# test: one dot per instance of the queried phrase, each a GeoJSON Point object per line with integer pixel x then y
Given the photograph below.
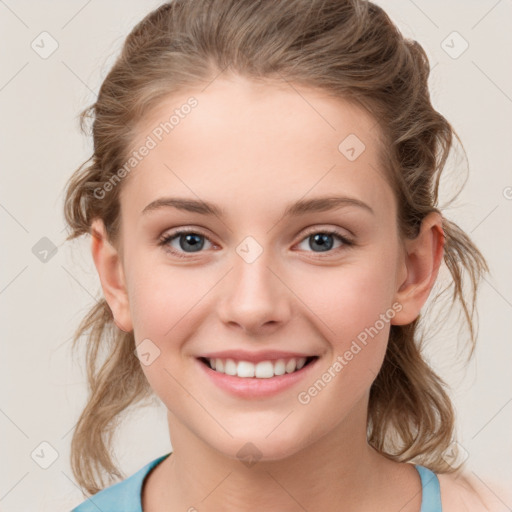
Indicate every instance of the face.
{"type": "Point", "coordinates": [273, 274]}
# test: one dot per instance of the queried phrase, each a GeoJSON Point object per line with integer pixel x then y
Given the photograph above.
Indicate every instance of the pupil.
{"type": "Point", "coordinates": [196, 245]}
{"type": "Point", "coordinates": [324, 240]}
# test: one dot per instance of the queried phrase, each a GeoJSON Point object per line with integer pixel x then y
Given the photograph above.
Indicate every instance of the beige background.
{"type": "Point", "coordinates": [43, 390]}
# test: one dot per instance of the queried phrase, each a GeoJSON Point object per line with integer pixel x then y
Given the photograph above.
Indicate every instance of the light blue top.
{"type": "Point", "coordinates": [126, 496]}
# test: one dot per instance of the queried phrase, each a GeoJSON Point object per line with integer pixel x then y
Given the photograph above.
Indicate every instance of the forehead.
{"type": "Point", "coordinates": [261, 108]}
{"type": "Point", "coordinates": [244, 139]}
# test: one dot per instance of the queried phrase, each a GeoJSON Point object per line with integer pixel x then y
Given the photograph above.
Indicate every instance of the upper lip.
{"type": "Point", "coordinates": [254, 357]}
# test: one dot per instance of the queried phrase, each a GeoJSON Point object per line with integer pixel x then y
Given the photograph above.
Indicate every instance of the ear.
{"type": "Point", "coordinates": [422, 259]}
{"type": "Point", "coordinates": [109, 266]}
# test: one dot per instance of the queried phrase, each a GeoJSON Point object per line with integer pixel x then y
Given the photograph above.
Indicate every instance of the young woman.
{"type": "Point", "coordinates": [262, 203]}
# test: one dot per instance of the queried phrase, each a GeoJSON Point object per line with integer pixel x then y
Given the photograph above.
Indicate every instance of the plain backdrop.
{"type": "Point", "coordinates": [43, 389]}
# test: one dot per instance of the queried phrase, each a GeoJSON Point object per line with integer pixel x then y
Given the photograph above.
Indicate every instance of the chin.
{"type": "Point", "coordinates": [253, 447]}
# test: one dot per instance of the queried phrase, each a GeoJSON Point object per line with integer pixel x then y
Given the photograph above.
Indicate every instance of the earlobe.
{"type": "Point", "coordinates": [109, 267]}
{"type": "Point", "coordinates": [424, 255]}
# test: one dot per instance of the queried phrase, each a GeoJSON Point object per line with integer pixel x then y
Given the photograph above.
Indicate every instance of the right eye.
{"type": "Point", "coordinates": [186, 239]}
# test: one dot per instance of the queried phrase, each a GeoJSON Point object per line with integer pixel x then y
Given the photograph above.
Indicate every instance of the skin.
{"type": "Point", "coordinates": [252, 149]}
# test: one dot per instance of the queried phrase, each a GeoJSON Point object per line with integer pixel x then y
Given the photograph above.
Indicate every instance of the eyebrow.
{"type": "Point", "coordinates": [301, 207]}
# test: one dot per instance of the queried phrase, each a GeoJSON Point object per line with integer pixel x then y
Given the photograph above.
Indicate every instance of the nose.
{"type": "Point", "coordinates": [254, 297]}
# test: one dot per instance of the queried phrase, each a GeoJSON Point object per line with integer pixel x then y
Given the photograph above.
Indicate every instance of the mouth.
{"type": "Point", "coordinates": [266, 369]}
{"type": "Point", "coordinates": [256, 376]}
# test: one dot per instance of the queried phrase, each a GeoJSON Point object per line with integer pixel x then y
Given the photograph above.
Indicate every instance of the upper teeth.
{"type": "Point", "coordinates": [261, 370]}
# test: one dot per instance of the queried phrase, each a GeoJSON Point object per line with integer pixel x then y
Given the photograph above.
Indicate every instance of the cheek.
{"type": "Point", "coordinates": [352, 308]}
{"type": "Point", "coordinates": [160, 295]}
{"type": "Point", "coordinates": [350, 297]}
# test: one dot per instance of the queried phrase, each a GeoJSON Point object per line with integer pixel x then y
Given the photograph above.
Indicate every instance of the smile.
{"type": "Point", "coordinates": [260, 370]}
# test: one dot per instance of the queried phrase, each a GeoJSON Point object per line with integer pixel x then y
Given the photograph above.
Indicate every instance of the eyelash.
{"type": "Point", "coordinates": [171, 236]}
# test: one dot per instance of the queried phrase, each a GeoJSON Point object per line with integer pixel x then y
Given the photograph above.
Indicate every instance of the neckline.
{"type": "Point", "coordinates": [146, 472]}
{"type": "Point", "coordinates": [430, 488]}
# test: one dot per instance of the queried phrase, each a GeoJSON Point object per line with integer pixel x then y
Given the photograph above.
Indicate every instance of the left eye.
{"type": "Point", "coordinates": [322, 239]}
{"type": "Point", "coordinates": [191, 242]}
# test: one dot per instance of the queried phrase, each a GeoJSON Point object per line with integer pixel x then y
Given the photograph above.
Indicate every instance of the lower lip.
{"type": "Point", "coordinates": [251, 387]}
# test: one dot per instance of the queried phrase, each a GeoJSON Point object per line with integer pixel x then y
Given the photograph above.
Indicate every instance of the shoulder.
{"type": "Point", "coordinates": [465, 492]}
{"type": "Point", "coordinates": [110, 498]}
{"type": "Point", "coordinates": [125, 495]}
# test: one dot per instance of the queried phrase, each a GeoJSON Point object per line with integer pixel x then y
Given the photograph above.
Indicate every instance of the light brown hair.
{"type": "Point", "coordinates": [347, 48]}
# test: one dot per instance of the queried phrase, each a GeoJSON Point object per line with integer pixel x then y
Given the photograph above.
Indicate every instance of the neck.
{"type": "Point", "coordinates": [340, 471]}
